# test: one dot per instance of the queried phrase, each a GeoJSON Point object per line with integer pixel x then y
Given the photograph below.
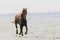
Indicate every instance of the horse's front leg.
{"type": "Point", "coordinates": [21, 30]}
{"type": "Point", "coordinates": [16, 28]}
{"type": "Point", "coordinates": [26, 29]}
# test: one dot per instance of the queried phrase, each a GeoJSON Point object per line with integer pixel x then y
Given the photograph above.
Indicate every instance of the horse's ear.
{"type": "Point", "coordinates": [23, 8]}
{"type": "Point", "coordinates": [26, 8]}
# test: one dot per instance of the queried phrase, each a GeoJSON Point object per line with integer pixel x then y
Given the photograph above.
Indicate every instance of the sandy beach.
{"type": "Point", "coordinates": [41, 27]}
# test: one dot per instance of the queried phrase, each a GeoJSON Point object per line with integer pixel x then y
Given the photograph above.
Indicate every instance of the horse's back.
{"type": "Point", "coordinates": [17, 18]}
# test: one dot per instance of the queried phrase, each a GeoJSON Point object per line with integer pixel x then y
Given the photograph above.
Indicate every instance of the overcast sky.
{"type": "Point", "coordinates": [33, 6]}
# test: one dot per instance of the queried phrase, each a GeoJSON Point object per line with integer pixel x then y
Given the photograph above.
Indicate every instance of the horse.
{"type": "Point", "coordinates": [22, 21]}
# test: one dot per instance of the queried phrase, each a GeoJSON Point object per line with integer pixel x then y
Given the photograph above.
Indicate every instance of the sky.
{"type": "Point", "coordinates": [33, 6]}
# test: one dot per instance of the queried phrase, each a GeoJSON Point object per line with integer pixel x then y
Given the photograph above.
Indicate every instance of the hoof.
{"type": "Point", "coordinates": [16, 31]}
{"type": "Point", "coordinates": [22, 35]}
{"type": "Point", "coordinates": [19, 33]}
{"type": "Point", "coordinates": [25, 32]}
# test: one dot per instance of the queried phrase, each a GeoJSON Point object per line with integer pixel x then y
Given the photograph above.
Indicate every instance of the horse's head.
{"type": "Point", "coordinates": [24, 11]}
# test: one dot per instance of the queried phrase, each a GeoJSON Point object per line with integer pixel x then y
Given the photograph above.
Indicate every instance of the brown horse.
{"type": "Point", "coordinates": [21, 20]}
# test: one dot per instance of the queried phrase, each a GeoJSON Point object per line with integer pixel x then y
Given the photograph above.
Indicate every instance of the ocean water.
{"type": "Point", "coordinates": [42, 26]}
{"type": "Point", "coordinates": [36, 16]}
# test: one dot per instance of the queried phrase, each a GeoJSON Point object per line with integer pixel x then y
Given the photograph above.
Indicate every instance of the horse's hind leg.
{"type": "Point", "coordinates": [16, 28]}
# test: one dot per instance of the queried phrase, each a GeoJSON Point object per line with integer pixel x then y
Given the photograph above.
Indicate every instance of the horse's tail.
{"type": "Point", "coordinates": [13, 22]}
